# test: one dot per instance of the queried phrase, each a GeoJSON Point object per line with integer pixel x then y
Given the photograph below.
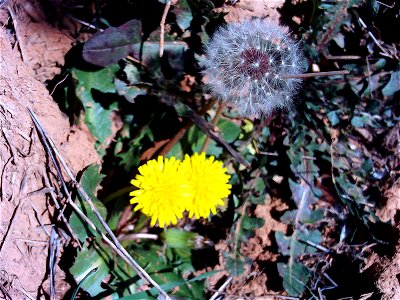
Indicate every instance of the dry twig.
{"type": "Point", "coordinates": [50, 191]}
{"type": "Point", "coordinates": [114, 244]}
{"type": "Point", "coordinates": [222, 288]}
{"type": "Point", "coordinates": [18, 33]}
{"type": "Point", "coordinates": [162, 26]}
{"type": "Point", "coordinates": [11, 226]}
{"type": "Point", "coordinates": [209, 130]}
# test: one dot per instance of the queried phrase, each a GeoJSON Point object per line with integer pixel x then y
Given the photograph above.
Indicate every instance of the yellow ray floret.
{"type": "Point", "coordinates": [209, 183]}
{"type": "Point", "coordinates": [163, 192]}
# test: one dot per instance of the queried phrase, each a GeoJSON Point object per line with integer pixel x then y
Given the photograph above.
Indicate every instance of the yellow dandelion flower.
{"type": "Point", "coordinates": [209, 182]}
{"type": "Point", "coordinates": [162, 192]}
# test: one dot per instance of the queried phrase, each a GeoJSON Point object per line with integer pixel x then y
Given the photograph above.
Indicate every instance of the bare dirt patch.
{"type": "Point", "coordinates": [256, 280]}
{"type": "Point", "coordinates": [248, 9]}
{"type": "Point", "coordinates": [25, 211]}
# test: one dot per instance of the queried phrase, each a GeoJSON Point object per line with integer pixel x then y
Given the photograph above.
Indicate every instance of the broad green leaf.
{"type": "Point", "coordinates": [97, 115]}
{"type": "Point", "coordinates": [374, 83]}
{"type": "Point", "coordinates": [308, 217]}
{"type": "Point", "coordinates": [172, 285]}
{"type": "Point", "coordinates": [202, 5]}
{"type": "Point", "coordinates": [304, 199]}
{"type": "Point", "coordinates": [229, 130]}
{"type": "Point", "coordinates": [172, 60]}
{"type": "Point", "coordinates": [132, 74]}
{"type": "Point", "coordinates": [259, 185]}
{"type": "Point", "coordinates": [85, 261]}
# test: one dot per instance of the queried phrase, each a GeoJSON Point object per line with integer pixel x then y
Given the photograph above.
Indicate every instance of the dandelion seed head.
{"type": "Point", "coordinates": [244, 60]}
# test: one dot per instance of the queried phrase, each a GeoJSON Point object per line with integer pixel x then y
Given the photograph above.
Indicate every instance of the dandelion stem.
{"type": "Point", "coordinates": [183, 130]}
{"type": "Point", "coordinates": [317, 74]}
{"type": "Point", "coordinates": [220, 109]}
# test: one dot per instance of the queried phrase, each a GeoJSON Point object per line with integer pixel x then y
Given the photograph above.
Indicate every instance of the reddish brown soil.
{"type": "Point", "coordinates": [25, 210]}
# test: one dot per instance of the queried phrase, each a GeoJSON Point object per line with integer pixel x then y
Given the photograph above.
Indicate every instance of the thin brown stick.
{"type": "Point", "coordinates": [209, 130]}
{"type": "Point", "coordinates": [218, 114]}
{"type": "Point", "coordinates": [176, 138]}
{"type": "Point", "coordinates": [344, 57]}
{"type": "Point", "coordinates": [372, 36]}
{"type": "Point", "coordinates": [18, 33]}
{"type": "Point", "coordinates": [222, 288]}
{"type": "Point", "coordinates": [12, 150]}
{"type": "Point", "coordinates": [183, 130]}
{"type": "Point", "coordinates": [137, 236]}
{"type": "Point", "coordinates": [3, 172]}
{"type": "Point", "coordinates": [162, 26]}
{"type": "Point", "coordinates": [58, 83]}
{"type": "Point", "coordinates": [39, 220]}
{"type": "Point", "coordinates": [11, 226]}
{"type": "Point", "coordinates": [84, 23]}
{"type": "Point", "coordinates": [5, 293]}
{"type": "Point", "coordinates": [6, 22]}
{"type": "Point", "coordinates": [57, 205]}
{"type": "Point", "coordinates": [114, 244]}
{"type": "Point", "coordinates": [316, 74]}
{"type": "Point", "coordinates": [136, 61]}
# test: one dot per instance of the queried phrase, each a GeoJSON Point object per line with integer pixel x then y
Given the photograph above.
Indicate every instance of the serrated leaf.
{"type": "Point", "coordinates": [234, 265]}
{"type": "Point", "coordinates": [108, 47]}
{"type": "Point", "coordinates": [97, 115]}
{"type": "Point", "coordinates": [294, 274]}
{"type": "Point", "coordinates": [308, 217]}
{"type": "Point", "coordinates": [294, 279]}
